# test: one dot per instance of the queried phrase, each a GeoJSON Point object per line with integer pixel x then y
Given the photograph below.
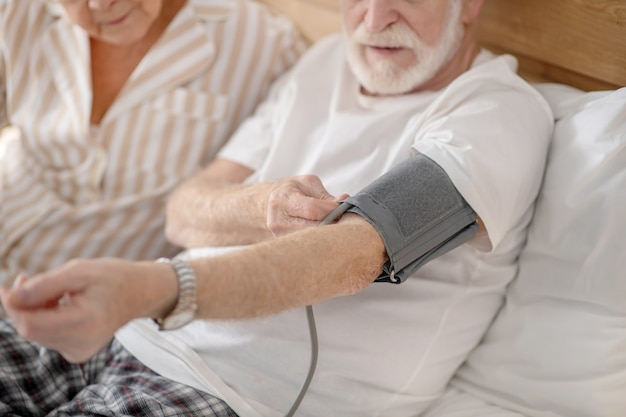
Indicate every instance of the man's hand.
{"type": "Point", "coordinates": [216, 208]}
{"type": "Point", "coordinates": [77, 308]}
{"type": "Point", "coordinates": [298, 202]}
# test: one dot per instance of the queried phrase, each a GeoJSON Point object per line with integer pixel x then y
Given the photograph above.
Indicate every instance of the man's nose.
{"type": "Point", "coordinates": [380, 14]}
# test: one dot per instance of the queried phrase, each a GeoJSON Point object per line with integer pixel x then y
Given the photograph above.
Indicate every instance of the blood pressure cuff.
{"type": "Point", "coordinates": [418, 212]}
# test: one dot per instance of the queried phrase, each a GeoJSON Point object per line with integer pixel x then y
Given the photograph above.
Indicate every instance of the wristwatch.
{"type": "Point", "coordinates": [187, 303]}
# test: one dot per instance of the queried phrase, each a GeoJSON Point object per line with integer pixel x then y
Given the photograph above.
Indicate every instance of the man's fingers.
{"type": "Point", "coordinates": [20, 280]}
{"type": "Point", "coordinates": [43, 326]}
{"type": "Point", "coordinates": [49, 329]}
{"type": "Point", "coordinates": [312, 209]}
{"type": "Point", "coordinates": [44, 291]}
{"type": "Point", "coordinates": [312, 186]}
{"type": "Point", "coordinates": [297, 203]}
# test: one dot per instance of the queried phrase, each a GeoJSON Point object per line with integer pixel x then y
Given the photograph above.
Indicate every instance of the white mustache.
{"type": "Point", "coordinates": [398, 35]}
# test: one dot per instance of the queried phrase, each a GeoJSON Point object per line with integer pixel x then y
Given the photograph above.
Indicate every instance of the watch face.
{"type": "Point", "coordinates": [177, 320]}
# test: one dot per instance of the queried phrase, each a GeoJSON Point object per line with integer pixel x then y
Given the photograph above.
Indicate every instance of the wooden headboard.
{"type": "Point", "coordinates": [576, 42]}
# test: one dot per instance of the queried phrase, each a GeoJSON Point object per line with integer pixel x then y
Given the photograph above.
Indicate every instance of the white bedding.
{"type": "Point", "coordinates": [558, 346]}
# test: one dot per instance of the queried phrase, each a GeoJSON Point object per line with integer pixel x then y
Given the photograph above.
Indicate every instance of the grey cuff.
{"type": "Point", "coordinates": [418, 212]}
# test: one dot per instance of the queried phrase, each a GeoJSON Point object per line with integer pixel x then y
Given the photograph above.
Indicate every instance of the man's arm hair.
{"type": "Point", "coordinates": [215, 208]}
{"type": "Point", "coordinates": [418, 212]}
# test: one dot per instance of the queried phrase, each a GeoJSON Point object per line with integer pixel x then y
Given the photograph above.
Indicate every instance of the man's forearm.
{"type": "Point", "coordinates": [214, 208]}
{"type": "Point", "coordinates": [209, 213]}
{"type": "Point", "coordinates": [298, 269]}
{"type": "Point", "coordinates": [76, 308]}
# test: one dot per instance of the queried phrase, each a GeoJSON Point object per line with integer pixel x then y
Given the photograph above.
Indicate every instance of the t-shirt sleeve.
{"type": "Point", "coordinates": [492, 139]}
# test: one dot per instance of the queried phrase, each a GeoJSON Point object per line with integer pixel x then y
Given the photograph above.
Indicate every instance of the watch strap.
{"type": "Point", "coordinates": [187, 302]}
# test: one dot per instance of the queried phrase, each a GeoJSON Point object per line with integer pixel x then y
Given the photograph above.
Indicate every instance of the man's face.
{"type": "Point", "coordinates": [119, 22]}
{"type": "Point", "coordinates": [395, 46]}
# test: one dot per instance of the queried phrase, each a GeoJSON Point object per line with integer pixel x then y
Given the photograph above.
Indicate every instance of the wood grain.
{"type": "Point", "coordinates": [576, 42]}
{"type": "Point", "coordinates": [315, 18]}
{"type": "Point", "coordinates": [579, 42]}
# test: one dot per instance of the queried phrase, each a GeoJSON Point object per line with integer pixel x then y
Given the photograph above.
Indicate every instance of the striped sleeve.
{"type": "Point", "coordinates": [252, 38]}
{"type": "Point", "coordinates": [291, 44]}
{"type": "Point", "coordinates": [80, 190]}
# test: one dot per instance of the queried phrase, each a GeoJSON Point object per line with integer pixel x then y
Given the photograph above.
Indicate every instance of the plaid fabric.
{"type": "Point", "coordinates": [36, 382]}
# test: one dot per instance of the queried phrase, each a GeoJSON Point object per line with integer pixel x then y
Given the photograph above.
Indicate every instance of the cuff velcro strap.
{"type": "Point", "coordinates": [418, 212]}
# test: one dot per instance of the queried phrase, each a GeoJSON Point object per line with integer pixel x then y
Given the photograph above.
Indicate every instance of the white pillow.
{"type": "Point", "coordinates": [558, 346]}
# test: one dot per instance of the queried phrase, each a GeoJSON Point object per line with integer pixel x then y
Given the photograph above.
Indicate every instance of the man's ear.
{"type": "Point", "coordinates": [471, 9]}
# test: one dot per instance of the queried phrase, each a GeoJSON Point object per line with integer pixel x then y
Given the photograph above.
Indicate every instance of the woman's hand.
{"type": "Point", "coordinates": [77, 308]}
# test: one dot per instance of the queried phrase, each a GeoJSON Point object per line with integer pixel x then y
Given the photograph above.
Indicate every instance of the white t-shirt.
{"type": "Point", "coordinates": [389, 350]}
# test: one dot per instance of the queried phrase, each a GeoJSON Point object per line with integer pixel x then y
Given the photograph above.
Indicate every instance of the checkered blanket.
{"type": "Point", "coordinates": [35, 381]}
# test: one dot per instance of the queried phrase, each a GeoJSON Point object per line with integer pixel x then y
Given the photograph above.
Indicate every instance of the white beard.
{"type": "Point", "coordinates": [384, 76]}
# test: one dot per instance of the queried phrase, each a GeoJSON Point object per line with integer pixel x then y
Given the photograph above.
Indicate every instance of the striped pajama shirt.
{"type": "Point", "coordinates": [70, 189]}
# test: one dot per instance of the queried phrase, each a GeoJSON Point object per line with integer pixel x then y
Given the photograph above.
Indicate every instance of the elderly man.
{"type": "Point", "coordinates": [422, 133]}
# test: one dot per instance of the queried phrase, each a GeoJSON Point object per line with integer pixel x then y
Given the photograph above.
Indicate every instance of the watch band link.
{"type": "Point", "coordinates": [187, 303]}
